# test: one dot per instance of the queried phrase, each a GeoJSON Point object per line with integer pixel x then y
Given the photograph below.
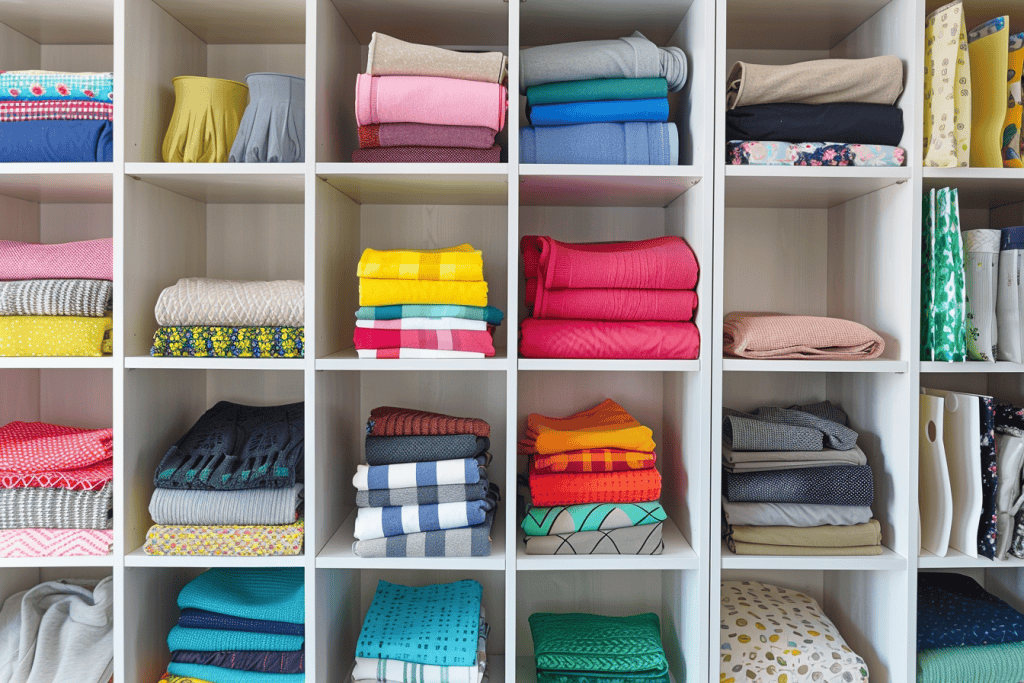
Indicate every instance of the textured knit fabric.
{"type": "Point", "coordinates": [606, 425]}
{"type": "Point", "coordinates": [845, 122]}
{"type": "Point", "coordinates": [565, 519]}
{"type": "Point", "coordinates": [437, 624]}
{"type": "Point", "coordinates": [273, 127]}
{"type": "Point", "coordinates": [226, 541]}
{"type": "Point", "coordinates": [428, 473]}
{"type": "Point", "coordinates": [29, 508]}
{"type": "Point", "coordinates": [489, 314]}
{"type": "Point", "coordinates": [779, 336]}
{"type": "Point", "coordinates": [594, 460]}
{"type": "Point", "coordinates": [580, 643]}
{"type": "Point", "coordinates": [640, 486]}
{"type": "Point", "coordinates": [447, 340]}
{"type": "Point", "coordinates": [737, 461]}
{"type": "Point", "coordinates": [268, 594]}
{"type": "Point", "coordinates": [646, 340]}
{"type": "Point", "coordinates": [56, 85]}
{"type": "Point", "coordinates": [393, 450]}
{"type": "Point", "coordinates": [230, 342]}
{"type": "Point", "coordinates": [90, 478]}
{"type": "Point", "coordinates": [391, 292]}
{"type": "Point", "coordinates": [988, 45]}
{"type": "Point", "coordinates": [56, 141]}
{"type": "Point", "coordinates": [40, 446]}
{"type": "Point", "coordinates": [989, 479]}
{"type": "Point", "coordinates": [423, 135]}
{"type": "Point", "coordinates": [676, 305]}
{"type": "Point", "coordinates": [387, 56]}
{"type": "Point", "coordinates": [824, 536]}
{"type": "Point", "coordinates": [877, 80]}
{"type": "Point", "coordinates": [195, 673]}
{"type": "Point", "coordinates": [249, 507]}
{"type": "Point", "coordinates": [391, 421]}
{"type": "Point", "coordinates": [774, 153]}
{"type": "Point", "coordinates": [572, 113]}
{"type": "Point", "coordinates": [231, 303]}
{"type": "Point", "coordinates": [410, 519]}
{"type": "Point", "coordinates": [981, 279]}
{"type": "Point", "coordinates": [632, 143]}
{"type": "Point", "coordinates": [54, 110]}
{"type": "Point", "coordinates": [233, 446]}
{"type": "Point", "coordinates": [424, 495]}
{"type": "Point", "coordinates": [55, 335]}
{"type": "Point", "coordinates": [265, 662]}
{"type": "Point", "coordinates": [638, 540]}
{"type": "Point", "coordinates": [597, 90]}
{"type": "Point", "coordinates": [56, 542]}
{"type": "Point", "coordinates": [619, 677]}
{"type": "Point", "coordinates": [472, 541]}
{"type": "Point", "coordinates": [954, 611]}
{"type": "Point", "coordinates": [977, 664]}
{"type": "Point", "coordinates": [783, 429]}
{"type": "Point", "coordinates": [833, 485]}
{"type": "Point", "coordinates": [794, 514]}
{"type": "Point", "coordinates": [429, 99]}
{"type": "Point", "coordinates": [87, 298]}
{"type": "Point", "coordinates": [205, 120]}
{"type": "Point", "coordinates": [198, 618]}
{"type": "Point", "coordinates": [453, 264]}
{"type": "Point", "coordinates": [427, 155]}
{"type": "Point", "coordinates": [947, 88]}
{"type": "Point", "coordinates": [213, 640]}
{"type": "Point", "coordinates": [89, 260]}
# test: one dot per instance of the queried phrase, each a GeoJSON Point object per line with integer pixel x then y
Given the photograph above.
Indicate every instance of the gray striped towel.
{"type": "Point", "coordinates": [86, 298]}
{"type": "Point", "coordinates": [34, 508]}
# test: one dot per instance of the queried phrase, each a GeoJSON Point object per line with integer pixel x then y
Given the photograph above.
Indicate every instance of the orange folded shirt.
{"type": "Point", "coordinates": [639, 486]}
{"type": "Point", "coordinates": [607, 425]}
{"type": "Point", "coordinates": [594, 460]}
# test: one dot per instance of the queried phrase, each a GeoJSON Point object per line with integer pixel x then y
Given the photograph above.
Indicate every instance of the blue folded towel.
{"type": "Point", "coordinates": [56, 141]}
{"type": "Point", "coordinates": [218, 674]}
{"type": "Point", "coordinates": [217, 640]}
{"type": "Point", "coordinates": [569, 113]}
{"type": "Point", "coordinates": [269, 594]}
{"type": "Point", "coordinates": [601, 143]}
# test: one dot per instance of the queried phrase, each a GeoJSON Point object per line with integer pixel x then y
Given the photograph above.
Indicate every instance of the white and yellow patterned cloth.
{"type": "Point", "coordinates": [461, 263]}
{"type": "Point", "coordinates": [947, 89]}
{"type": "Point", "coordinates": [228, 541]}
{"type": "Point", "coordinates": [55, 335]}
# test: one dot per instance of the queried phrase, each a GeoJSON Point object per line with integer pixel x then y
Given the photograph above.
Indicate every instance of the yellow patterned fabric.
{"type": "Point", "coordinates": [451, 264]}
{"type": "Point", "coordinates": [1011, 125]}
{"type": "Point", "coordinates": [390, 292]}
{"type": "Point", "coordinates": [989, 45]}
{"type": "Point", "coordinates": [207, 113]}
{"type": "Point", "coordinates": [228, 541]}
{"type": "Point", "coordinates": [171, 678]}
{"type": "Point", "coordinates": [55, 335]}
{"type": "Point", "coordinates": [947, 91]}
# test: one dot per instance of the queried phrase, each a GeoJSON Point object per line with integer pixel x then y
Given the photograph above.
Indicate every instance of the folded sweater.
{"type": "Point", "coordinates": [225, 508]}
{"type": "Point", "coordinates": [86, 298]}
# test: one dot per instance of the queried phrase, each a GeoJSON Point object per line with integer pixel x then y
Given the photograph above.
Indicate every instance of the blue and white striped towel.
{"type": "Point", "coordinates": [410, 519]}
{"type": "Point", "coordinates": [410, 474]}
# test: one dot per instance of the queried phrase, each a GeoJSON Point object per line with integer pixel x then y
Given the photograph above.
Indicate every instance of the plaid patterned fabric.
{"type": "Point", "coordinates": [54, 85]}
{"type": "Point", "coordinates": [594, 460]}
{"type": "Point", "coordinates": [461, 263]}
{"type": "Point", "coordinates": [448, 340]}
{"type": "Point", "coordinates": [56, 110]}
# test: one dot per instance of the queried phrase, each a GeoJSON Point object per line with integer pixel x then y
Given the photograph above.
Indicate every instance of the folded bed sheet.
{"type": "Point", "coordinates": [229, 342]}
{"type": "Point", "coordinates": [410, 519]}
{"type": "Point", "coordinates": [423, 135]}
{"type": "Point", "coordinates": [427, 155]}
{"type": "Point", "coordinates": [635, 540]}
{"type": "Point", "coordinates": [393, 450]}
{"type": "Point", "coordinates": [742, 548]}
{"type": "Point", "coordinates": [55, 335]}
{"type": "Point", "coordinates": [379, 292]}
{"type": "Point", "coordinates": [56, 110]}
{"type": "Point", "coordinates": [228, 541]}
{"type": "Point", "coordinates": [846, 122]}
{"type": "Point", "coordinates": [568, 519]}
{"type": "Point", "coordinates": [231, 303]}
{"type": "Point", "coordinates": [572, 113]}
{"type": "Point", "coordinates": [87, 260]}
{"type": "Point", "coordinates": [822, 536]}
{"type": "Point", "coordinates": [794, 514]}
{"type": "Point", "coordinates": [831, 485]}
{"type": "Point", "coordinates": [241, 660]}
{"type": "Point", "coordinates": [771, 153]}
{"type": "Point", "coordinates": [542, 338]}
{"type": "Point", "coordinates": [38, 85]}
{"type": "Point", "coordinates": [633, 143]}
{"type": "Point", "coordinates": [779, 336]}
{"type": "Point", "coordinates": [771, 460]}
{"type": "Point", "coordinates": [675, 305]}
{"type": "Point", "coordinates": [597, 90]}
{"type": "Point", "coordinates": [430, 99]}
{"type": "Point", "coordinates": [407, 475]}
{"type": "Point", "coordinates": [80, 298]}
{"type": "Point", "coordinates": [488, 314]}
{"type": "Point", "coordinates": [49, 141]}
{"type": "Point", "coordinates": [55, 542]}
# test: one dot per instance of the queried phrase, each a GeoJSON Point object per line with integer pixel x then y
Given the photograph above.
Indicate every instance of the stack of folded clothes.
{"type": "Point", "coordinates": [593, 488]}
{"type": "Point", "coordinates": [203, 317]}
{"type": "Point", "coordinates": [591, 648]}
{"type": "Point", "coordinates": [429, 303]}
{"type": "Point", "coordinates": [778, 336]}
{"type": "Point", "coordinates": [240, 626]}
{"type": "Point", "coordinates": [56, 490]}
{"type": "Point", "coordinates": [419, 103]}
{"type": "Point", "coordinates": [232, 485]}
{"type": "Point", "coordinates": [55, 116]}
{"type": "Point", "coordinates": [795, 483]}
{"type": "Point", "coordinates": [55, 299]}
{"type": "Point", "coordinates": [600, 102]}
{"type": "Point", "coordinates": [429, 634]}
{"type": "Point", "coordinates": [827, 112]}
{"type": "Point", "coordinates": [610, 300]}
{"type": "Point", "coordinates": [424, 491]}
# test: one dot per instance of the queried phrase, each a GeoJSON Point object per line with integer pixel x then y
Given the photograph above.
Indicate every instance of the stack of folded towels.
{"type": "Point", "coordinates": [56, 490]}
{"type": "Point", "coordinates": [593, 488]}
{"type": "Point", "coordinates": [419, 103]}
{"type": "Point", "coordinates": [232, 485]}
{"type": "Point", "coordinates": [591, 648]}
{"type": "Point", "coordinates": [795, 483]}
{"type": "Point", "coordinates": [424, 491]}
{"type": "Point", "coordinates": [429, 634]}
{"type": "Point", "coordinates": [203, 317]}
{"type": "Point", "coordinates": [600, 102]}
{"type": "Point", "coordinates": [827, 112]}
{"type": "Point", "coordinates": [240, 625]}
{"type": "Point", "coordinates": [55, 299]}
{"type": "Point", "coordinates": [778, 336]}
{"type": "Point", "coordinates": [55, 116]}
{"type": "Point", "coordinates": [429, 303]}
{"type": "Point", "coordinates": [610, 299]}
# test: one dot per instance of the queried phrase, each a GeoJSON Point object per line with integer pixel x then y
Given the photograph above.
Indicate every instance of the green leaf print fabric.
{"type": "Point", "coordinates": [927, 277]}
{"type": "Point", "coordinates": [945, 338]}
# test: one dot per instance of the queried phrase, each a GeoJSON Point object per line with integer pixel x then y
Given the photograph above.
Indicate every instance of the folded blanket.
{"type": "Point", "coordinates": [56, 141]}
{"type": "Point", "coordinates": [765, 153]}
{"type": "Point", "coordinates": [597, 90]}
{"type": "Point", "coordinates": [55, 335]}
{"type": "Point", "coordinates": [40, 446]}
{"type": "Point", "coordinates": [392, 450]}
{"type": "Point", "coordinates": [233, 446]}
{"type": "Point", "coordinates": [55, 542]}
{"type": "Point", "coordinates": [424, 324]}
{"type": "Point", "coordinates": [406, 475]}
{"type": "Point", "coordinates": [56, 85]}
{"type": "Point", "coordinates": [742, 548]}
{"type": "Point", "coordinates": [630, 57]}
{"type": "Point", "coordinates": [226, 541]}
{"type": "Point", "coordinates": [189, 673]}
{"type": "Point", "coordinates": [191, 617]}
{"type": "Point", "coordinates": [30, 508]}
{"type": "Point", "coordinates": [471, 541]}
{"type": "Point", "coordinates": [797, 428]}
{"type": "Point", "coordinates": [638, 540]}
{"type": "Point", "coordinates": [489, 314]}
{"type": "Point", "coordinates": [447, 340]}
{"type": "Point", "coordinates": [89, 478]}
{"type": "Point", "coordinates": [876, 79]}
{"type": "Point", "coordinates": [640, 486]}
{"type": "Point", "coordinates": [651, 340]}
{"type": "Point", "coordinates": [411, 519]}
{"type": "Point", "coordinates": [89, 260]}
{"type": "Point", "coordinates": [86, 298]}
{"type": "Point", "coordinates": [594, 460]}
{"type": "Point", "coordinates": [770, 460]}
{"type": "Point", "coordinates": [391, 421]}
{"type": "Point", "coordinates": [461, 263]}
{"type": "Point", "coordinates": [425, 135]}
{"type": "Point", "coordinates": [213, 640]}
{"type": "Point", "coordinates": [633, 143]}
{"type": "Point", "coordinates": [396, 671]}
{"type": "Point", "coordinates": [571, 113]}
{"type": "Point", "coordinates": [954, 611]}
{"type": "Point", "coordinates": [429, 99]}
{"type": "Point", "coordinates": [567, 519]}
{"type": "Point", "coordinates": [606, 425]}
{"type": "Point", "coordinates": [250, 593]}
{"type": "Point", "coordinates": [779, 336]}
{"type": "Point", "coordinates": [231, 303]}
{"type": "Point", "coordinates": [390, 292]}
{"type": "Point", "coordinates": [56, 110]}
{"type": "Point", "coordinates": [974, 663]}
{"type": "Point", "coordinates": [249, 507]}
{"type": "Point", "coordinates": [389, 56]}
{"type": "Point", "coordinates": [589, 643]}
{"type": "Point", "coordinates": [825, 536]}
{"type": "Point", "coordinates": [611, 304]}
{"type": "Point", "coordinates": [846, 122]}
{"type": "Point", "coordinates": [794, 514]}
{"type": "Point", "coordinates": [426, 495]}
{"type": "Point", "coordinates": [427, 155]}
{"type": "Point", "coordinates": [416, 353]}
{"type": "Point", "coordinates": [833, 485]}
{"type": "Point", "coordinates": [230, 342]}
{"type": "Point", "coordinates": [240, 660]}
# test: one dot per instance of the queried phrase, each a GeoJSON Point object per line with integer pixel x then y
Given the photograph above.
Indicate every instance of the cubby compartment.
{"type": "Point", "coordinates": [160, 407]}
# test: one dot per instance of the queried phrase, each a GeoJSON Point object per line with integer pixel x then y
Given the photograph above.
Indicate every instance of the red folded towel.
{"type": "Point", "coordinates": [598, 339]}
{"type": "Point", "coordinates": [578, 488]}
{"type": "Point", "coordinates": [676, 305]}
{"type": "Point", "coordinates": [476, 341]}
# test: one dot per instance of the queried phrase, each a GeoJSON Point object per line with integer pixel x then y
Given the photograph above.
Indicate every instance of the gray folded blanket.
{"type": "Point", "coordinates": [424, 495]}
{"type": "Point", "coordinates": [833, 485]}
{"type": "Point", "coordinates": [86, 298]}
{"type": "Point", "coordinates": [246, 507]}
{"type": "Point", "coordinates": [392, 450]}
{"type": "Point", "coordinates": [799, 428]}
{"type": "Point", "coordinates": [37, 508]}
{"type": "Point", "coordinates": [877, 80]}
{"type": "Point", "coordinates": [747, 461]}
{"type": "Point", "coordinates": [794, 514]}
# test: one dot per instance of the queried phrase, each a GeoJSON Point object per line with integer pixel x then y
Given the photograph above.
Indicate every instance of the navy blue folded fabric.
{"type": "Point", "coordinates": [831, 485]}
{"type": "Point", "coordinates": [954, 611]}
{"type": "Point", "coordinates": [634, 143]}
{"type": "Point", "coordinates": [570, 113]}
{"type": "Point", "coordinates": [56, 141]}
{"type": "Point", "coordinates": [200, 618]}
{"type": "Point", "coordinates": [241, 660]}
{"type": "Point", "coordinates": [848, 122]}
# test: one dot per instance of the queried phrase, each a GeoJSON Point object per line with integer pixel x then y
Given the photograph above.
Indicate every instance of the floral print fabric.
{"type": "Point", "coordinates": [775, 153]}
{"type": "Point", "coordinates": [954, 611]}
{"type": "Point", "coordinates": [943, 288]}
{"type": "Point", "coordinates": [947, 89]}
{"type": "Point", "coordinates": [52, 85]}
{"type": "Point", "coordinates": [229, 342]}
{"type": "Point", "coordinates": [989, 479]}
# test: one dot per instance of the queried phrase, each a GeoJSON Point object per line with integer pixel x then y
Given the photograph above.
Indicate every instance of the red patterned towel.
{"type": "Point", "coordinates": [638, 486]}
{"type": "Point", "coordinates": [594, 460]}
{"type": "Point", "coordinates": [429, 155]}
{"type": "Point", "coordinates": [54, 110]}
{"type": "Point", "coordinates": [29, 447]}
{"type": "Point", "coordinates": [597, 339]}
{"type": "Point", "coordinates": [91, 478]}
{"type": "Point", "coordinates": [448, 340]}
{"type": "Point", "coordinates": [388, 421]}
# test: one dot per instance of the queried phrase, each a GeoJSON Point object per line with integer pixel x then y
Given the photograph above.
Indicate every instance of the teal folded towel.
{"type": "Point", "coordinates": [633, 143]}
{"type": "Point", "coordinates": [215, 640]}
{"type": "Point", "coordinates": [269, 594]}
{"type": "Point", "coordinates": [597, 90]}
{"type": "Point", "coordinates": [217, 674]}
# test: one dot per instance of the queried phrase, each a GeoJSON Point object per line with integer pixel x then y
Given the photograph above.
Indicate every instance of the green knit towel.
{"type": "Point", "coordinates": [579, 643]}
{"type": "Point", "coordinates": [259, 593]}
{"type": "Point", "coordinates": [563, 677]}
{"type": "Point", "coordinates": [972, 664]}
{"type": "Point", "coordinates": [598, 90]}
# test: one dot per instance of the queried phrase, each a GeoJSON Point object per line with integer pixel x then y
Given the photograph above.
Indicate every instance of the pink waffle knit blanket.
{"type": "Point", "coordinates": [780, 336]}
{"type": "Point", "coordinates": [542, 338]}
{"type": "Point", "coordinates": [427, 99]}
{"type": "Point", "coordinates": [91, 260]}
{"type": "Point", "coordinates": [55, 542]}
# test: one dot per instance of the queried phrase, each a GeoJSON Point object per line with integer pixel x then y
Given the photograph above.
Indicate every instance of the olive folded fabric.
{"type": "Point", "coordinates": [825, 536]}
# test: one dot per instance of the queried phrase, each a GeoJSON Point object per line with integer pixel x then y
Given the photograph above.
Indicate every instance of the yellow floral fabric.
{"type": "Point", "coordinates": [229, 342]}
{"type": "Point", "coordinates": [461, 263]}
{"type": "Point", "coordinates": [207, 113]}
{"type": "Point", "coordinates": [171, 678]}
{"type": "Point", "coordinates": [228, 541]}
{"type": "Point", "coordinates": [989, 45]}
{"type": "Point", "coordinates": [55, 335]}
{"type": "Point", "coordinates": [947, 89]}
{"type": "Point", "coordinates": [390, 292]}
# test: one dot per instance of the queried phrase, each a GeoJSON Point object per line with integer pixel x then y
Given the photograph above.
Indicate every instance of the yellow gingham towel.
{"type": "Point", "coordinates": [462, 263]}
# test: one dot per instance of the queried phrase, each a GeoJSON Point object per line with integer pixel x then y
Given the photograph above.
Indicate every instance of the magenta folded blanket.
{"type": "Point", "coordinates": [598, 339]}
{"type": "Point", "coordinates": [427, 99]}
{"type": "Point", "coordinates": [476, 341]}
{"type": "Point", "coordinates": [430, 155]}
{"type": "Point", "coordinates": [90, 260]}
{"type": "Point", "coordinates": [425, 135]}
{"type": "Point", "coordinates": [612, 304]}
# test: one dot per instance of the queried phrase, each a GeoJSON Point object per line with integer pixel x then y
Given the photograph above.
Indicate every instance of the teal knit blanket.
{"type": "Point", "coordinates": [217, 674]}
{"type": "Point", "coordinates": [215, 640]}
{"type": "Point", "coordinates": [972, 664]}
{"type": "Point", "coordinates": [268, 594]}
{"type": "Point", "coordinates": [576, 643]}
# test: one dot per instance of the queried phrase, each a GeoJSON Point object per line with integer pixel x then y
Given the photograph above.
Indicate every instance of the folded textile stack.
{"type": "Point", "coordinates": [827, 112]}
{"type": "Point", "coordinates": [795, 483]}
{"type": "Point", "coordinates": [240, 626]}
{"type": "Point", "coordinates": [55, 299]}
{"type": "Point", "coordinates": [592, 484]}
{"type": "Point", "coordinates": [424, 491]}
{"type": "Point", "coordinates": [56, 490]}
{"type": "Point", "coordinates": [56, 116]}
{"type": "Point", "coordinates": [202, 317]}
{"type": "Point", "coordinates": [232, 485]}
{"type": "Point", "coordinates": [592, 648]}
{"type": "Point", "coordinates": [419, 103]}
{"type": "Point", "coordinates": [779, 336]}
{"type": "Point", "coordinates": [600, 102]}
{"type": "Point", "coordinates": [965, 633]}
{"type": "Point", "coordinates": [429, 634]}
{"type": "Point", "coordinates": [609, 299]}
{"type": "Point", "coordinates": [429, 303]}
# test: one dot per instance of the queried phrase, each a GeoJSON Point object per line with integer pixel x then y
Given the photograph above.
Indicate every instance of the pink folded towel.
{"type": "Point", "coordinates": [90, 260]}
{"type": "Point", "coordinates": [598, 339]}
{"type": "Point", "coordinates": [612, 304]}
{"type": "Point", "coordinates": [427, 99]}
{"type": "Point", "coordinates": [781, 336]}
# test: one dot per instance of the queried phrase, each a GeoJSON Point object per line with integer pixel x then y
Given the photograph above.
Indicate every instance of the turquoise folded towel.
{"type": "Point", "coordinates": [217, 674]}
{"type": "Point", "coordinates": [269, 594]}
{"type": "Point", "coordinates": [215, 640]}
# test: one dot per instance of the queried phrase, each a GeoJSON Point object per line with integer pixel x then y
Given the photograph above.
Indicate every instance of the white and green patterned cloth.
{"type": "Point", "coordinates": [567, 519]}
{"type": "Point", "coordinates": [943, 291]}
{"type": "Point", "coordinates": [981, 273]}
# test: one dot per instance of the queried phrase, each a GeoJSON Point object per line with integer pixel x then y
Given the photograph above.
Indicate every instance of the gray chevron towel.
{"type": "Point", "coordinates": [32, 508]}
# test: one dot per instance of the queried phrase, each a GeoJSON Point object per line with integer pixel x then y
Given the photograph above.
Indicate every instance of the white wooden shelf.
{"type": "Point", "coordinates": [59, 188]}
{"type": "Point", "coordinates": [971, 367]}
{"type": "Point", "coordinates": [603, 190]}
{"type": "Point", "coordinates": [349, 360]}
{"type": "Point", "coordinates": [757, 365]}
{"type": "Point", "coordinates": [138, 558]}
{"type": "Point", "coordinates": [176, 363]}
{"type": "Point", "coordinates": [887, 561]}
{"type": "Point", "coordinates": [605, 365]}
{"type": "Point", "coordinates": [64, 169]}
{"type": "Point", "coordinates": [810, 187]}
{"type": "Point", "coordinates": [458, 186]}
{"type": "Point", "coordinates": [48, 362]}
{"type": "Point", "coordinates": [76, 561]}
{"type": "Point", "coordinates": [954, 559]}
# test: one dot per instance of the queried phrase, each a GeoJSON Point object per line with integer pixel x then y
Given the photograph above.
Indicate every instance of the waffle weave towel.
{"type": "Point", "coordinates": [778, 336]}
{"type": "Point", "coordinates": [231, 303]}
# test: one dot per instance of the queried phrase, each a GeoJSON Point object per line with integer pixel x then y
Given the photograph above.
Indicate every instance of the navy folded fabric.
{"type": "Point", "coordinates": [832, 485]}
{"type": "Point", "coordinates": [847, 122]}
{"type": "Point", "coordinates": [635, 143]}
{"type": "Point", "coordinates": [392, 450]}
{"type": "Point", "coordinates": [200, 618]}
{"type": "Point", "coordinates": [569, 113]}
{"type": "Point", "coordinates": [242, 660]}
{"type": "Point", "coordinates": [954, 611]}
{"type": "Point", "coordinates": [56, 141]}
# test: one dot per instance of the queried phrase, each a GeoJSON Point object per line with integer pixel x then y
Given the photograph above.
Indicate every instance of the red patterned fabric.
{"type": "Point", "coordinates": [389, 421]}
{"type": "Point", "coordinates": [91, 478]}
{"type": "Point", "coordinates": [541, 338]}
{"type": "Point", "coordinates": [50, 110]}
{"type": "Point", "coordinates": [369, 136]}
{"type": "Point", "coordinates": [448, 340]}
{"type": "Point", "coordinates": [39, 447]}
{"type": "Point", "coordinates": [638, 486]}
{"type": "Point", "coordinates": [418, 155]}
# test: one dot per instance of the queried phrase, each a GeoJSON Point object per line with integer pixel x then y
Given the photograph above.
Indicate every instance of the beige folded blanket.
{"type": "Point", "coordinates": [393, 57]}
{"type": "Point", "coordinates": [878, 80]}
{"type": "Point", "coordinates": [741, 548]}
{"type": "Point", "coordinates": [232, 303]}
{"type": "Point", "coordinates": [826, 536]}
{"type": "Point", "coordinates": [753, 461]}
{"type": "Point", "coordinates": [781, 336]}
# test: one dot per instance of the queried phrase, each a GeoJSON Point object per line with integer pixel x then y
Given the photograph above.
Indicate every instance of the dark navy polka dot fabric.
{"type": "Point", "coordinates": [954, 611]}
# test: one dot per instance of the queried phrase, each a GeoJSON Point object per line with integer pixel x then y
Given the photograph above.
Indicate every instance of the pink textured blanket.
{"type": "Point", "coordinates": [781, 336]}
{"type": "Point", "coordinates": [427, 99]}
{"type": "Point", "coordinates": [597, 339]}
{"type": "Point", "coordinates": [425, 135]}
{"type": "Point", "coordinates": [55, 542]}
{"type": "Point", "coordinates": [611, 304]}
{"type": "Point", "coordinates": [427, 155]}
{"type": "Point", "coordinates": [449, 340]}
{"type": "Point", "coordinates": [91, 260]}
{"type": "Point", "coordinates": [90, 478]}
